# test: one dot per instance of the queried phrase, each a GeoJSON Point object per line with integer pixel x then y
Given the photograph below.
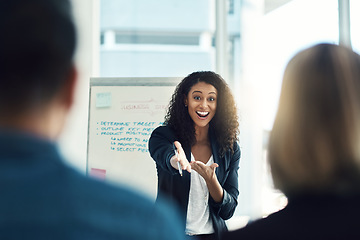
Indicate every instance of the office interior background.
{"type": "Point", "coordinates": [248, 42]}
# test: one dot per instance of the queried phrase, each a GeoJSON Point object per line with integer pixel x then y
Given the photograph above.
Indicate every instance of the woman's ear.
{"type": "Point", "coordinates": [185, 101]}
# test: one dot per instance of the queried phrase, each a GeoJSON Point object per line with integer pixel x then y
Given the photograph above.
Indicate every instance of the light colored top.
{"type": "Point", "coordinates": [198, 220]}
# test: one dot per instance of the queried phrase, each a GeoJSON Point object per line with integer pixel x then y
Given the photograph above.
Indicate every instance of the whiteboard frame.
{"type": "Point", "coordinates": [124, 81]}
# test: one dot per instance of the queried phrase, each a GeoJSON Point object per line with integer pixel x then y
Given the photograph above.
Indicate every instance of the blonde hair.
{"type": "Point", "coordinates": [315, 141]}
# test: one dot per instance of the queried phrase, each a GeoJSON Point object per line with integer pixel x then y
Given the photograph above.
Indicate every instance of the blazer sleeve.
{"type": "Point", "coordinates": [161, 148]}
{"type": "Point", "coordinates": [226, 208]}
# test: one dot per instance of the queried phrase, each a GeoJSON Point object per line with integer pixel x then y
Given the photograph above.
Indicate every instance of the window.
{"type": "Point", "coordinates": [270, 37]}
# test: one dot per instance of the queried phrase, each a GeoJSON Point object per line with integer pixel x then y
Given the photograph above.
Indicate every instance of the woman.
{"type": "Point", "coordinates": [201, 124]}
{"type": "Point", "coordinates": [314, 149]}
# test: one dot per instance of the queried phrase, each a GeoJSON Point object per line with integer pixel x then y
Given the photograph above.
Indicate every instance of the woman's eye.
{"type": "Point", "coordinates": [211, 99]}
{"type": "Point", "coordinates": [197, 98]}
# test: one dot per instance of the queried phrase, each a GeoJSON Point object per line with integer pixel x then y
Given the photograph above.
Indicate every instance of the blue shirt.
{"type": "Point", "coordinates": [43, 198]}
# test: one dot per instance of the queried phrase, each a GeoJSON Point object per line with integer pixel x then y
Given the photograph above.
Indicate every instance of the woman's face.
{"type": "Point", "coordinates": [201, 101]}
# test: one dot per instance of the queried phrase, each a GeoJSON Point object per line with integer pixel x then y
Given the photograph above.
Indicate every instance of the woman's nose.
{"type": "Point", "coordinates": [203, 103]}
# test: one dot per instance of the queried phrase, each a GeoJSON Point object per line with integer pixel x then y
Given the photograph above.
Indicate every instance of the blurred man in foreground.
{"type": "Point", "coordinates": [41, 197]}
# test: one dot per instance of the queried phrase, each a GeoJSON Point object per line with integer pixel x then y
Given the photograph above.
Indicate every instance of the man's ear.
{"type": "Point", "coordinates": [69, 87]}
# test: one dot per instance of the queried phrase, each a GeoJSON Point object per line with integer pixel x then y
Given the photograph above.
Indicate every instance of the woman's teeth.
{"type": "Point", "coordinates": [202, 114]}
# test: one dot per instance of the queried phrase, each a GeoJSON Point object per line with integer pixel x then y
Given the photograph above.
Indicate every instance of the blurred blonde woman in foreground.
{"type": "Point", "coordinates": [314, 149]}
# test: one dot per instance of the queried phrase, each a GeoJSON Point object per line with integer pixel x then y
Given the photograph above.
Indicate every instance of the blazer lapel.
{"type": "Point", "coordinates": [186, 175]}
{"type": "Point", "coordinates": [219, 171]}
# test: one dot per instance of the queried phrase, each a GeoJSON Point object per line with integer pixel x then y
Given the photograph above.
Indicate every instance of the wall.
{"type": "Point", "coordinates": [73, 141]}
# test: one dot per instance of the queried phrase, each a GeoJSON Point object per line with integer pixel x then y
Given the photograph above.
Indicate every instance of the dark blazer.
{"type": "Point", "coordinates": [310, 217]}
{"type": "Point", "coordinates": [177, 188]}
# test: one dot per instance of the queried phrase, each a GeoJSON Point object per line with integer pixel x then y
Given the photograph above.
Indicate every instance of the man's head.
{"type": "Point", "coordinates": [37, 45]}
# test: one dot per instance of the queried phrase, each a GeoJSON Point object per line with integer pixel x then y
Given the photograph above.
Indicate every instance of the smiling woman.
{"type": "Point", "coordinates": [202, 124]}
{"type": "Point", "coordinates": [201, 102]}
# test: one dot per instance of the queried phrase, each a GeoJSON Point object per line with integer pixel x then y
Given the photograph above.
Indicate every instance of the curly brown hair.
{"type": "Point", "coordinates": [225, 122]}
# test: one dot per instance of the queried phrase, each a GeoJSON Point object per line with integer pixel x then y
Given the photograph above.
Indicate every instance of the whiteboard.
{"type": "Point", "coordinates": [123, 112]}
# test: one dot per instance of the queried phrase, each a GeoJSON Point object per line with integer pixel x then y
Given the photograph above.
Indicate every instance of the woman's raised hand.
{"type": "Point", "coordinates": [181, 158]}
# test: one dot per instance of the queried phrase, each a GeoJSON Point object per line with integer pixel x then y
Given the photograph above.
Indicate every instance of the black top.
{"type": "Point", "coordinates": [313, 216]}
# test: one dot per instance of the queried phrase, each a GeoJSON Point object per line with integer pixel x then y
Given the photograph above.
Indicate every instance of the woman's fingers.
{"type": "Point", "coordinates": [185, 165]}
{"type": "Point", "coordinates": [181, 157]}
{"type": "Point", "coordinates": [204, 170]}
{"type": "Point", "coordinates": [179, 148]}
{"type": "Point", "coordinates": [214, 166]}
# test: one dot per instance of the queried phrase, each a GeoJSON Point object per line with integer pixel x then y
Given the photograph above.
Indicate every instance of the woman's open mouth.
{"type": "Point", "coordinates": [202, 114]}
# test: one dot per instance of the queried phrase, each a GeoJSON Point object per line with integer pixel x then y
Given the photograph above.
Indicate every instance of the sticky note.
{"type": "Point", "coordinates": [103, 100]}
{"type": "Point", "coordinates": [98, 173]}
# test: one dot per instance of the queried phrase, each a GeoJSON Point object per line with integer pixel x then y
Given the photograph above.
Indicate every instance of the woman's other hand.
{"type": "Point", "coordinates": [207, 172]}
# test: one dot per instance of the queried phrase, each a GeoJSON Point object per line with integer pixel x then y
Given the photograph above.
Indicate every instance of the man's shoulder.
{"type": "Point", "coordinates": [103, 191]}
{"type": "Point", "coordinates": [126, 211]}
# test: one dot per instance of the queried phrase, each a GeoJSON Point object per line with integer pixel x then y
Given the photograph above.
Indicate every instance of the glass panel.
{"type": "Point", "coordinates": [270, 37]}
{"type": "Point", "coordinates": [156, 38]}
{"type": "Point", "coordinates": [355, 24]}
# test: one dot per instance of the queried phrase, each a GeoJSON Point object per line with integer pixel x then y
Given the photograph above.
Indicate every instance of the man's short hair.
{"type": "Point", "coordinates": [37, 46]}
